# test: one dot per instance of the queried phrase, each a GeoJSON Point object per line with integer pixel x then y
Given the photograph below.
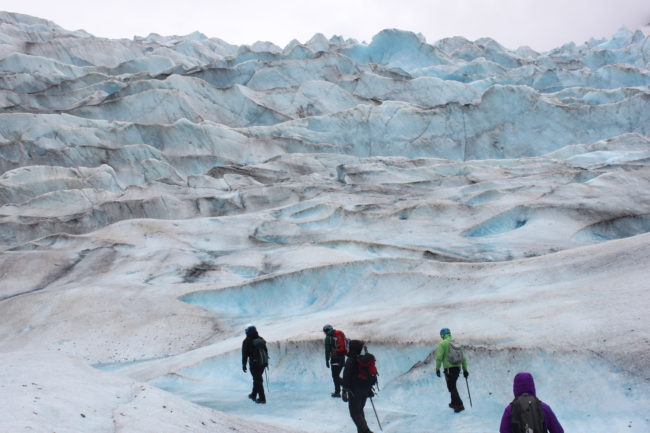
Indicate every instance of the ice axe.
{"type": "Point", "coordinates": [376, 416]}
{"type": "Point", "coordinates": [267, 380]}
{"type": "Point", "coordinates": [470, 395]}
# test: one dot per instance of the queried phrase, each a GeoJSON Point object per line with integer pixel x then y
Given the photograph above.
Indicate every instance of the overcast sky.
{"type": "Point", "coordinates": [540, 24]}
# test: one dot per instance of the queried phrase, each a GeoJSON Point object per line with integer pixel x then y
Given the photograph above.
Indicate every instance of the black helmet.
{"type": "Point", "coordinates": [356, 346]}
{"type": "Point", "coordinates": [249, 329]}
{"type": "Point", "coordinates": [327, 328]}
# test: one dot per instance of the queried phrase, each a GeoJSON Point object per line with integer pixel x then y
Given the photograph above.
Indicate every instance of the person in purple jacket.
{"type": "Point", "coordinates": [524, 384]}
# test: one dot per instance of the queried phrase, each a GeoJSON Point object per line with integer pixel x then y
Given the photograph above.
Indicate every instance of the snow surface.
{"type": "Point", "coordinates": [158, 194]}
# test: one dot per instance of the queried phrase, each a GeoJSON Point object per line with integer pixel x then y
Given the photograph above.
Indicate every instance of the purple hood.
{"type": "Point", "coordinates": [523, 384]}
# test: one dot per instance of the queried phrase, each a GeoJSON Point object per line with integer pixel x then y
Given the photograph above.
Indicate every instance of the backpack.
{"type": "Point", "coordinates": [341, 344]}
{"type": "Point", "coordinates": [366, 369]}
{"type": "Point", "coordinates": [527, 415]}
{"type": "Point", "coordinates": [455, 354]}
{"type": "Point", "coordinates": [260, 354]}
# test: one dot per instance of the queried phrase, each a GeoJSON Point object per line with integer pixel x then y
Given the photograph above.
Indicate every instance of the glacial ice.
{"type": "Point", "coordinates": [156, 194]}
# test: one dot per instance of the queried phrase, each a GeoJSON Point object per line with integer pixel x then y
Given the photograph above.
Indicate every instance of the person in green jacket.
{"type": "Point", "coordinates": [451, 360]}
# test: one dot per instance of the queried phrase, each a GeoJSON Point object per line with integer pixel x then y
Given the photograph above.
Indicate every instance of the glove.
{"type": "Point", "coordinates": [344, 395]}
{"type": "Point", "coordinates": [327, 364]}
{"type": "Point", "coordinates": [465, 373]}
{"type": "Point", "coordinates": [438, 373]}
{"type": "Point", "coordinates": [371, 394]}
{"type": "Point", "coordinates": [243, 367]}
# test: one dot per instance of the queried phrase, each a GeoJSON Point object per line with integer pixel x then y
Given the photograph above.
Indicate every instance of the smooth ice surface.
{"type": "Point", "coordinates": [157, 194]}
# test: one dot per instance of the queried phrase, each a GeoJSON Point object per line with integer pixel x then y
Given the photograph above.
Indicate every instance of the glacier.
{"type": "Point", "coordinates": [159, 193]}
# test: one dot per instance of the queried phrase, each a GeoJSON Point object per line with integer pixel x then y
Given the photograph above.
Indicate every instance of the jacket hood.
{"type": "Point", "coordinates": [523, 384]}
{"type": "Point", "coordinates": [355, 347]}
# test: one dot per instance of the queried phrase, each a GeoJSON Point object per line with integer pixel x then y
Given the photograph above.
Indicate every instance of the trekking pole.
{"type": "Point", "coordinates": [267, 381]}
{"type": "Point", "coordinates": [470, 395]}
{"type": "Point", "coordinates": [376, 416]}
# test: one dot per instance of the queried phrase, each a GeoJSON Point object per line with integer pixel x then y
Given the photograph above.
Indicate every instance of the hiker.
{"type": "Point", "coordinates": [527, 414]}
{"type": "Point", "coordinates": [359, 376]}
{"type": "Point", "coordinates": [253, 350]}
{"type": "Point", "coordinates": [335, 351]}
{"type": "Point", "coordinates": [451, 358]}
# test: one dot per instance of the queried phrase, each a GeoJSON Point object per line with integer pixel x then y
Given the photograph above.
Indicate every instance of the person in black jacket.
{"type": "Point", "coordinates": [253, 350]}
{"type": "Point", "coordinates": [334, 356]}
{"type": "Point", "coordinates": [357, 385]}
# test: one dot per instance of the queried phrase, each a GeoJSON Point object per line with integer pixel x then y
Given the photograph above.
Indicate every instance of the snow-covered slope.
{"type": "Point", "coordinates": [157, 194]}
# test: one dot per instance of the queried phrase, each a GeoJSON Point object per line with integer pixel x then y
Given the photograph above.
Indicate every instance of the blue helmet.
{"type": "Point", "coordinates": [445, 331]}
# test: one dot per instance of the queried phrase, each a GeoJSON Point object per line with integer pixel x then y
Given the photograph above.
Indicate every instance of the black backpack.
{"type": "Point", "coordinates": [527, 415]}
{"type": "Point", "coordinates": [260, 354]}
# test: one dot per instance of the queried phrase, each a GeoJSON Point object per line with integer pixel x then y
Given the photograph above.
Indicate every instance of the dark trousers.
{"type": "Point", "coordinates": [336, 376]}
{"type": "Point", "coordinates": [356, 403]}
{"type": "Point", "coordinates": [258, 382]}
{"type": "Point", "coordinates": [451, 377]}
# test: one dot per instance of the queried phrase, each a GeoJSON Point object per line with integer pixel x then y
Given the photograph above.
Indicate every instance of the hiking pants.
{"type": "Point", "coordinates": [355, 405]}
{"type": "Point", "coordinates": [336, 366]}
{"type": "Point", "coordinates": [258, 381]}
{"type": "Point", "coordinates": [451, 377]}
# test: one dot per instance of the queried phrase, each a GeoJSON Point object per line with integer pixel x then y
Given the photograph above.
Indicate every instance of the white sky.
{"type": "Point", "coordinates": [541, 24]}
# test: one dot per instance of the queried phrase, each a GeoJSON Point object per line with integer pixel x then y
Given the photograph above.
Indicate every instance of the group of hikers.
{"type": "Point", "coordinates": [525, 414]}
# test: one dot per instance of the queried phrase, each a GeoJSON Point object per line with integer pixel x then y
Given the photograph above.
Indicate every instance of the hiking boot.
{"type": "Point", "coordinates": [336, 395]}
{"type": "Point", "coordinates": [451, 405]}
{"type": "Point", "coordinates": [251, 396]}
{"type": "Point", "coordinates": [459, 409]}
{"type": "Point", "coordinates": [260, 401]}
